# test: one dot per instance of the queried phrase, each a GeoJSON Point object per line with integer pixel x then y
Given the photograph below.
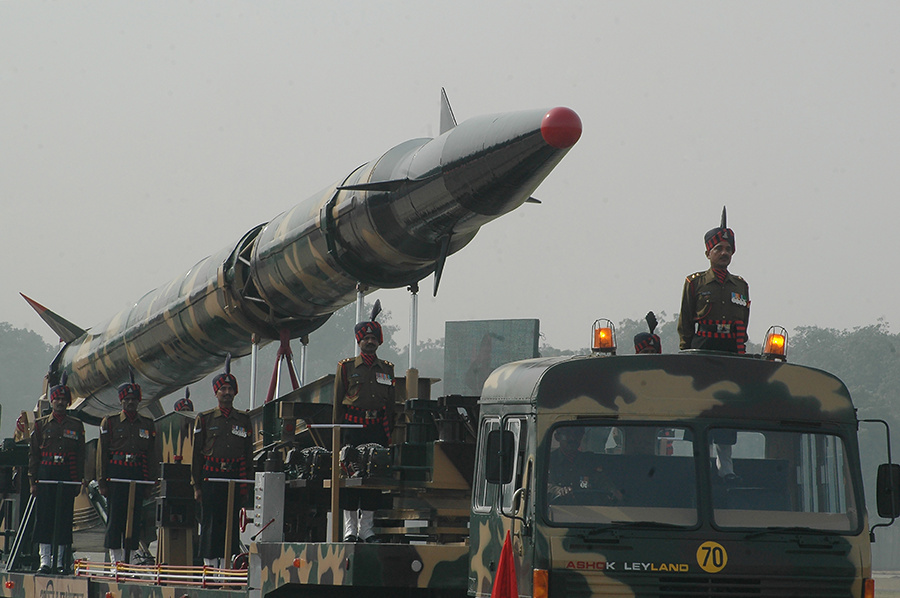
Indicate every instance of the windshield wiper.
{"type": "Point", "coordinates": [615, 526]}
{"type": "Point", "coordinates": [784, 530]}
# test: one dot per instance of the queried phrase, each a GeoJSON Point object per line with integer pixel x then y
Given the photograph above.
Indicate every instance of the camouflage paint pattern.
{"type": "Point", "coordinates": [388, 224]}
{"type": "Point", "coordinates": [699, 389]}
{"type": "Point", "coordinates": [397, 566]}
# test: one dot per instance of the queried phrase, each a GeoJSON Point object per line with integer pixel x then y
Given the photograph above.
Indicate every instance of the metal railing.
{"type": "Point", "coordinates": [203, 577]}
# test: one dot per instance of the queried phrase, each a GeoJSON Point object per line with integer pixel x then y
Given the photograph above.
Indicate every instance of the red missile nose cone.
{"type": "Point", "coordinates": [561, 127]}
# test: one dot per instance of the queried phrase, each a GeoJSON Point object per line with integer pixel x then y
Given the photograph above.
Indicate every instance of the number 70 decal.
{"type": "Point", "coordinates": [711, 557]}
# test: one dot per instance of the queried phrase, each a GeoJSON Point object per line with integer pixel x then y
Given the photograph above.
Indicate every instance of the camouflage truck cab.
{"type": "Point", "coordinates": [689, 475]}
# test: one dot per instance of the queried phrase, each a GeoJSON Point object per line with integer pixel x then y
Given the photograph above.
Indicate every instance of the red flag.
{"type": "Point", "coordinates": [505, 585]}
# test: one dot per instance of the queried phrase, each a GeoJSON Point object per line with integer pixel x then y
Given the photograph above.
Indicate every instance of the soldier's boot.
{"type": "Point", "coordinates": [46, 552]}
{"type": "Point", "coordinates": [366, 526]}
{"type": "Point", "coordinates": [116, 555]}
{"type": "Point", "coordinates": [351, 524]}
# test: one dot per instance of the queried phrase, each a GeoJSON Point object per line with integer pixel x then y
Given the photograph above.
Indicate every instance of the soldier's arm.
{"type": "Point", "coordinates": [79, 455]}
{"type": "Point", "coordinates": [103, 455]}
{"type": "Point", "coordinates": [34, 455]}
{"type": "Point", "coordinates": [392, 403]}
{"type": "Point", "coordinates": [686, 316]}
{"type": "Point", "coordinates": [153, 456]}
{"type": "Point", "coordinates": [743, 340]}
{"type": "Point", "coordinates": [197, 455]}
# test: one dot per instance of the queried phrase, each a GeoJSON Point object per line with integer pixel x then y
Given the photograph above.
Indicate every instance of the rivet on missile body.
{"type": "Point", "coordinates": [416, 565]}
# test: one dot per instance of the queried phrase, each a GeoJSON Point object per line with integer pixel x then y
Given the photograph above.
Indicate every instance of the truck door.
{"type": "Point", "coordinates": [493, 508]}
{"type": "Point", "coordinates": [515, 503]}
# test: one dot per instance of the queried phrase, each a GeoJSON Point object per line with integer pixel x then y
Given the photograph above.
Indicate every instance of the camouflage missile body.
{"type": "Point", "coordinates": [676, 527]}
{"type": "Point", "coordinates": [388, 224]}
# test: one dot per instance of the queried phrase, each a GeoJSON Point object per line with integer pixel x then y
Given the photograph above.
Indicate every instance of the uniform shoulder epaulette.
{"type": "Point", "coordinates": [343, 361]}
{"type": "Point", "coordinates": [694, 275]}
{"type": "Point", "coordinates": [739, 278]}
{"type": "Point", "coordinates": [387, 362]}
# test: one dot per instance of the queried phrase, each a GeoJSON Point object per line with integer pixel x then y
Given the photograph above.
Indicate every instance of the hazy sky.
{"type": "Point", "coordinates": [136, 138]}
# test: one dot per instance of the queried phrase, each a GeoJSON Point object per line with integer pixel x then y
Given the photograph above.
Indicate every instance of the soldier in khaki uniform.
{"type": "Point", "coordinates": [223, 448]}
{"type": "Point", "coordinates": [364, 394]}
{"type": "Point", "coordinates": [715, 305]}
{"type": "Point", "coordinates": [127, 451]}
{"type": "Point", "coordinates": [57, 453]}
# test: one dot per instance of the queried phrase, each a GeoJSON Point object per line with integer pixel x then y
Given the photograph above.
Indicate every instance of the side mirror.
{"type": "Point", "coordinates": [501, 446]}
{"type": "Point", "coordinates": [887, 490]}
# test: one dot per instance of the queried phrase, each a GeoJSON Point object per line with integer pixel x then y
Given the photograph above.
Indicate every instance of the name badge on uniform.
{"type": "Point", "coordinates": [739, 299]}
{"type": "Point", "coordinates": [239, 431]}
{"type": "Point", "coordinates": [70, 434]}
{"type": "Point", "coordinates": [144, 433]}
{"type": "Point", "coordinates": [383, 379]}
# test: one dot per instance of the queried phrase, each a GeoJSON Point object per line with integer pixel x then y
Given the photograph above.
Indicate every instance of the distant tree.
{"type": "Point", "coordinates": [24, 359]}
{"type": "Point", "coordinates": [666, 329]}
{"type": "Point", "coordinates": [429, 362]}
{"type": "Point", "coordinates": [546, 350]}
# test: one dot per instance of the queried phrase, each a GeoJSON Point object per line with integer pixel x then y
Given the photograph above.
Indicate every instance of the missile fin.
{"type": "Point", "coordinates": [532, 200]}
{"type": "Point", "coordinates": [448, 121]}
{"type": "Point", "coordinates": [66, 330]}
{"type": "Point", "coordinates": [439, 265]}
{"type": "Point", "coordinates": [376, 186]}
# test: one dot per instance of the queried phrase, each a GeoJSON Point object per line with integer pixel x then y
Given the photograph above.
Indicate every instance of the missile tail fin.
{"type": "Point", "coordinates": [439, 265]}
{"type": "Point", "coordinates": [532, 200]}
{"type": "Point", "coordinates": [448, 121]}
{"type": "Point", "coordinates": [66, 330]}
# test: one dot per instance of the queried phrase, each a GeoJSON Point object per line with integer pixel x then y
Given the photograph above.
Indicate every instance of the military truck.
{"type": "Point", "coordinates": [693, 474]}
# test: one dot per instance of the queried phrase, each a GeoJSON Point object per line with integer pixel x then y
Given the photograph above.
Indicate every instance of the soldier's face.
{"type": "Point", "coordinates": [369, 344]}
{"type": "Point", "coordinates": [59, 404]}
{"type": "Point", "coordinates": [720, 255]}
{"type": "Point", "coordinates": [130, 403]}
{"type": "Point", "coordinates": [225, 395]}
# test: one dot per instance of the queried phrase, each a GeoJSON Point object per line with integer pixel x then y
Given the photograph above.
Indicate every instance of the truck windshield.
{"type": "Point", "coordinates": [606, 474]}
{"type": "Point", "coordinates": [774, 479]}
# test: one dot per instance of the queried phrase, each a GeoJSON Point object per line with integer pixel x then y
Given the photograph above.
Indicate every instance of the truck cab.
{"type": "Point", "coordinates": [658, 475]}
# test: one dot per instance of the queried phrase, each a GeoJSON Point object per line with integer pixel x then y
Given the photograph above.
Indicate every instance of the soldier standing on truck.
{"type": "Point", "coordinates": [223, 448]}
{"type": "Point", "coordinates": [364, 394]}
{"type": "Point", "coordinates": [127, 451]}
{"type": "Point", "coordinates": [57, 453]}
{"type": "Point", "coordinates": [715, 305]}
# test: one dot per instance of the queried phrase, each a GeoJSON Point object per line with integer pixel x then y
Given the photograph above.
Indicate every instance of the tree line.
{"type": "Point", "coordinates": [866, 359]}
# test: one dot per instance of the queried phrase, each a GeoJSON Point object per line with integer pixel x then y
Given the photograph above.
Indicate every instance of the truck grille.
{"type": "Point", "coordinates": [574, 585]}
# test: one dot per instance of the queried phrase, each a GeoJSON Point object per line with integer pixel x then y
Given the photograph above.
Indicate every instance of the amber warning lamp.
{"type": "Point", "coordinates": [775, 347]}
{"type": "Point", "coordinates": [603, 337]}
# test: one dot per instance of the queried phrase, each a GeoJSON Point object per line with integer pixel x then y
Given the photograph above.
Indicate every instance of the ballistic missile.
{"type": "Point", "coordinates": [388, 224]}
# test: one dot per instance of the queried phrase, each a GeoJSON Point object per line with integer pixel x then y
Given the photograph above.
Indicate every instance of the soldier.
{"type": "Point", "coordinates": [127, 451]}
{"type": "Point", "coordinates": [185, 403]}
{"type": "Point", "coordinates": [223, 448]}
{"type": "Point", "coordinates": [648, 342]}
{"type": "Point", "coordinates": [57, 453]}
{"type": "Point", "coordinates": [364, 394]}
{"type": "Point", "coordinates": [717, 301]}
{"type": "Point", "coordinates": [571, 470]}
